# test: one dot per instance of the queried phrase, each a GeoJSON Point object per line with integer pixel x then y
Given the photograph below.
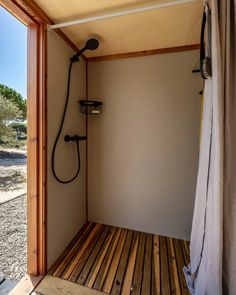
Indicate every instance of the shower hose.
{"type": "Point", "coordinates": [59, 134]}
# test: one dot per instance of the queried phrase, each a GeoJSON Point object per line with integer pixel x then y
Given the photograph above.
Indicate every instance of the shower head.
{"type": "Point", "coordinates": [91, 44]}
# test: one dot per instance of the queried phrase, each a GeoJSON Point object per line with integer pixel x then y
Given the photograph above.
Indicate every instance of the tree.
{"type": "Point", "coordinates": [15, 97]}
{"type": "Point", "coordinates": [8, 111]}
{"type": "Point", "coordinates": [20, 128]}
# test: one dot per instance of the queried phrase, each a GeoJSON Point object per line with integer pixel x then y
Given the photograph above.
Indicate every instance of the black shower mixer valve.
{"type": "Point", "coordinates": [69, 138]}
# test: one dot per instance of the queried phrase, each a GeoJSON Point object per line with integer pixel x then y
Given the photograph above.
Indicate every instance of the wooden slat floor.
{"type": "Point", "coordinates": [120, 261]}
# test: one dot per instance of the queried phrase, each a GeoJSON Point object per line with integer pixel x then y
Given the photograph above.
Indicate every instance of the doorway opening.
{"type": "Point", "coordinates": [13, 148]}
{"type": "Point", "coordinates": [32, 129]}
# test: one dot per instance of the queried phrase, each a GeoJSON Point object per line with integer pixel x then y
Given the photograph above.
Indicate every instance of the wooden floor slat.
{"type": "Point", "coordinates": [99, 260]}
{"type": "Point", "coordinates": [138, 271]}
{"type": "Point", "coordinates": [174, 278]}
{"type": "Point", "coordinates": [107, 261]}
{"type": "Point", "coordinates": [85, 256]}
{"type": "Point", "coordinates": [130, 266]}
{"type": "Point", "coordinates": [118, 282]}
{"type": "Point", "coordinates": [147, 267]}
{"type": "Point", "coordinates": [89, 264]}
{"type": "Point", "coordinates": [180, 263]}
{"type": "Point", "coordinates": [185, 251]}
{"type": "Point", "coordinates": [113, 268]}
{"type": "Point", "coordinates": [58, 269]}
{"type": "Point", "coordinates": [165, 275]}
{"type": "Point", "coordinates": [118, 261]}
{"type": "Point", "coordinates": [156, 280]}
{"type": "Point", "coordinates": [71, 266]}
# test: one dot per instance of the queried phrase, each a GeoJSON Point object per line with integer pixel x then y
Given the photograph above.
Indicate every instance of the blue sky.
{"type": "Point", "coordinates": [13, 52]}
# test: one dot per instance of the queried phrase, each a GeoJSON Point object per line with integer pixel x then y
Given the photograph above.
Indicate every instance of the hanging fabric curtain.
{"type": "Point", "coordinates": [212, 268]}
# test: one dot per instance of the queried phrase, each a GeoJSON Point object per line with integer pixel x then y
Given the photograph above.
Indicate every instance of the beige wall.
{"type": "Point", "coordinates": [143, 150]}
{"type": "Point", "coordinates": [66, 202]}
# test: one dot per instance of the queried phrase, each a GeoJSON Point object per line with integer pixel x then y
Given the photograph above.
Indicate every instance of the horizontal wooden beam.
{"type": "Point", "coordinates": [143, 53]}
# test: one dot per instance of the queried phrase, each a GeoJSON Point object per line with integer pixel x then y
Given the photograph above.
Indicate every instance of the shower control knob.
{"type": "Point", "coordinates": [67, 138]}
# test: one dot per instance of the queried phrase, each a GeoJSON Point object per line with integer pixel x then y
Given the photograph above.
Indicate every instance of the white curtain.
{"type": "Point", "coordinates": [228, 33]}
{"type": "Point", "coordinates": [212, 268]}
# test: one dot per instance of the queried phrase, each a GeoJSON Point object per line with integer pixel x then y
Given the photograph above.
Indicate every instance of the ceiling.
{"type": "Point", "coordinates": [173, 26]}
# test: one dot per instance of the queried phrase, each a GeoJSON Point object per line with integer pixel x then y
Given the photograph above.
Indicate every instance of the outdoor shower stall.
{"type": "Point", "coordinates": [124, 123]}
{"type": "Point", "coordinates": [138, 165]}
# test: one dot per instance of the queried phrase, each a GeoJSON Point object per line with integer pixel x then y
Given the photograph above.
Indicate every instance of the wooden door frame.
{"type": "Point", "coordinates": [37, 132]}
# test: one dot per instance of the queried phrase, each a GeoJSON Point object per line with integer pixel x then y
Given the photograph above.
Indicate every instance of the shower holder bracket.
{"type": "Point", "coordinates": [69, 138]}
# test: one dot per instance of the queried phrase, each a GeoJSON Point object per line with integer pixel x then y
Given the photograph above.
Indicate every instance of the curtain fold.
{"type": "Point", "coordinates": [212, 268]}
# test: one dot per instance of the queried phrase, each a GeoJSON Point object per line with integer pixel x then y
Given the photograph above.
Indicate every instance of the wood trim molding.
{"type": "Point", "coordinates": [42, 150]}
{"type": "Point", "coordinates": [143, 53]}
{"type": "Point", "coordinates": [33, 155]}
{"type": "Point", "coordinates": [39, 16]}
{"type": "Point", "coordinates": [37, 149]}
{"type": "Point", "coordinates": [37, 135]}
{"type": "Point", "coordinates": [33, 10]}
{"type": "Point", "coordinates": [11, 7]}
{"type": "Point", "coordinates": [86, 97]}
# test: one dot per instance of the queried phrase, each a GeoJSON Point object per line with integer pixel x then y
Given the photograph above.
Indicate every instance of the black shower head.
{"type": "Point", "coordinates": [91, 44]}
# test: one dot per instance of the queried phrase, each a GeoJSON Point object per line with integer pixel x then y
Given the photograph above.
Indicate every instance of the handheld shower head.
{"type": "Point", "coordinates": [91, 44]}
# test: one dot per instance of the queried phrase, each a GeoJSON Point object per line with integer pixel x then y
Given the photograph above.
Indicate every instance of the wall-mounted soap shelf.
{"type": "Point", "coordinates": [90, 107]}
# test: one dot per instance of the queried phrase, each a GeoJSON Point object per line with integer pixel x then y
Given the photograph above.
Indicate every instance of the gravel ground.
{"type": "Point", "coordinates": [13, 238]}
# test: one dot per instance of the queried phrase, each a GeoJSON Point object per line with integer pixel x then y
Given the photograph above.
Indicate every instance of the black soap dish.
{"type": "Point", "coordinates": [90, 107]}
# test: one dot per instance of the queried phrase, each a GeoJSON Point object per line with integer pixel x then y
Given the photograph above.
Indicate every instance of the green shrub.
{"type": "Point", "coordinates": [8, 111]}
{"type": "Point", "coordinates": [15, 97]}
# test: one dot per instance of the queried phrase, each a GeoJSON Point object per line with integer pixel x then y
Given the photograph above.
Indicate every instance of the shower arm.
{"type": "Point", "coordinates": [91, 44]}
{"type": "Point", "coordinates": [76, 56]}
